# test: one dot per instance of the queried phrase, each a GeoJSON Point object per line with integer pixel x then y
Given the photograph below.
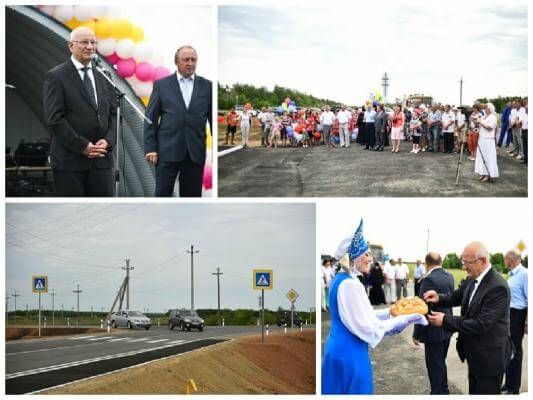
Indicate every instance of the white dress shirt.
{"type": "Point", "coordinates": [79, 66]}
{"type": "Point", "coordinates": [186, 87]}
{"type": "Point", "coordinates": [327, 118]}
{"type": "Point", "coordinates": [401, 271]}
{"type": "Point", "coordinates": [343, 117]}
{"type": "Point", "coordinates": [447, 118]}
{"type": "Point", "coordinates": [522, 116]}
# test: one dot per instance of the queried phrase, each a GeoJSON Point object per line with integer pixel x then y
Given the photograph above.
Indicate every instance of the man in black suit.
{"type": "Point", "coordinates": [483, 326]}
{"type": "Point", "coordinates": [179, 107]}
{"type": "Point", "coordinates": [80, 114]}
{"type": "Point", "coordinates": [436, 340]}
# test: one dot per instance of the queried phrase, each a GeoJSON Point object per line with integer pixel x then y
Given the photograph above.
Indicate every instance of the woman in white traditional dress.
{"type": "Point", "coordinates": [486, 157]}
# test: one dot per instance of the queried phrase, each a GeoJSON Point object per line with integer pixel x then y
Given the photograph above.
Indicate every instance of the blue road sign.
{"type": "Point", "coordinates": [39, 284]}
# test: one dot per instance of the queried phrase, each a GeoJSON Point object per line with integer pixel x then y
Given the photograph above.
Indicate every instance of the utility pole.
{"type": "Point", "coordinates": [218, 273]}
{"type": "Point", "coordinates": [192, 252]}
{"type": "Point", "coordinates": [7, 309]}
{"type": "Point", "coordinates": [461, 92]}
{"type": "Point", "coordinates": [385, 84]}
{"type": "Point", "coordinates": [53, 294]}
{"type": "Point", "coordinates": [15, 295]}
{"type": "Point", "coordinates": [78, 296]}
{"type": "Point", "coordinates": [128, 269]}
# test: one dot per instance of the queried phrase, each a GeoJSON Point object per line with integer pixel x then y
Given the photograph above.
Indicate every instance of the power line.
{"type": "Point", "coordinates": [44, 225]}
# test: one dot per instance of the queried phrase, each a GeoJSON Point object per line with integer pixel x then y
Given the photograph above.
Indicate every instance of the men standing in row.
{"type": "Point", "coordinates": [370, 128]}
{"type": "Point", "coordinates": [175, 143]}
{"type": "Point", "coordinates": [523, 119]}
{"type": "Point", "coordinates": [266, 119]}
{"type": "Point", "coordinates": [390, 275]}
{"type": "Point", "coordinates": [483, 325]}
{"type": "Point", "coordinates": [448, 124]}
{"type": "Point", "coordinates": [505, 125]}
{"type": "Point", "coordinates": [381, 124]}
{"type": "Point", "coordinates": [518, 319]}
{"type": "Point", "coordinates": [326, 119]}
{"type": "Point", "coordinates": [79, 109]}
{"type": "Point", "coordinates": [402, 277]}
{"type": "Point", "coordinates": [436, 340]}
{"type": "Point", "coordinates": [418, 275]}
{"type": "Point", "coordinates": [514, 125]}
{"type": "Point", "coordinates": [434, 126]}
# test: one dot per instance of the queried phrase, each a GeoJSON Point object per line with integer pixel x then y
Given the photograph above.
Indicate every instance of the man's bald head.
{"type": "Point", "coordinates": [82, 44]}
{"type": "Point", "coordinates": [475, 259]}
{"type": "Point", "coordinates": [512, 259]}
{"type": "Point", "coordinates": [433, 260]}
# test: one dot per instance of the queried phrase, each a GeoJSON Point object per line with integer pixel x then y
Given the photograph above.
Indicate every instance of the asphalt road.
{"type": "Point", "coordinates": [354, 172]}
{"type": "Point", "coordinates": [34, 365]}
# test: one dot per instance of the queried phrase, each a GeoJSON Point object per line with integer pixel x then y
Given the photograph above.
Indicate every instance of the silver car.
{"type": "Point", "coordinates": [130, 319]}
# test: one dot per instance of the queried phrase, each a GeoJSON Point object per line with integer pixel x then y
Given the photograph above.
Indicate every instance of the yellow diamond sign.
{"type": "Point", "coordinates": [521, 246]}
{"type": "Point", "coordinates": [292, 295]}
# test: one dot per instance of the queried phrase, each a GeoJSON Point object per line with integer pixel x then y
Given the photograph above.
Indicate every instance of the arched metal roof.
{"type": "Point", "coordinates": [35, 43]}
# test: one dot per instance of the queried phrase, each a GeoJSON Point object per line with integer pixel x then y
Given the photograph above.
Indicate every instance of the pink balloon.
{"type": "Point", "coordinates": [144, 71]}
{"type": "Point", "coordinates": [161, 72]}
{"type": "Point", "coordinates": [208, 177]}
{"type": "Point", "coordinates": [113, 58]}
{"type": "Point", "coordinates": [126, 67]}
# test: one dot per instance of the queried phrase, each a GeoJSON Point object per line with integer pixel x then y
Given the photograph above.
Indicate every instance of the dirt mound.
{"type": "Point", "coordinates": [33, 333]}
{"type": "Point", "coordinates": [284, 364]}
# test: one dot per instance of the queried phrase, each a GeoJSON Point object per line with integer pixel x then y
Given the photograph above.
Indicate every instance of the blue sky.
{"type": "Point", "coordinates": [87, 243]}
{"type": "Point", "coordinates": [340, 51]}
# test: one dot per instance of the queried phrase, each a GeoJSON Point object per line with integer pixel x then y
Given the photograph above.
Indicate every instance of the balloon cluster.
{"type": "Point", "coordinates": [375, 98]}
{"type": "Point", "coordinates": [287, 106]}
{"type": "Point", "coordinates": [122, 43]}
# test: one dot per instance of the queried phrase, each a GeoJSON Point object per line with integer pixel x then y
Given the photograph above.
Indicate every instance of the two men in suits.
{"type": "Point", "coordinates": [436, 340]}
{"type": "Point", "coordinates": [175, 143]}
{"type": "Point", "coordinates": [483, 325]}
{"type": "Point", "coordinates": [80, 113]}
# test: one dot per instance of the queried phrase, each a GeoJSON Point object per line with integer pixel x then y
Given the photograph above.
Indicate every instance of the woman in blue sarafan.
{"type": "Point", "coordinates": [346, 367]}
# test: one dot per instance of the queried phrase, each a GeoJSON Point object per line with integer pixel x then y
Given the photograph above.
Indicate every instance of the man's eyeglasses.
{"type": "Point", "coordinates": [464, 262]}
{"type": "Point", "coordinates": [86, 43]}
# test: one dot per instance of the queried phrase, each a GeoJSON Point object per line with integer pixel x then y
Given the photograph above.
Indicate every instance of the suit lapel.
{"type": "Point", "coordinates": [194, 90]}
{"type": "Point", "coordinates": [75, 77]}
{"type": "Point", "coordinates": [480, 290]}
{"type": "Point", "coordinates": [99, 83]}
{"type": "Point", "coordinates": [467, 293]}
{"type": "Point", "coordinates": [178, 88]}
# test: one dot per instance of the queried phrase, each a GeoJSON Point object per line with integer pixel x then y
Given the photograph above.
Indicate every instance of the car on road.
{"type": "Point", "coordinates": [185, 319]}
{"type": "Point", "coordinates": [284, 318]}
{"type": "Point", "coordinates": [130, 319]}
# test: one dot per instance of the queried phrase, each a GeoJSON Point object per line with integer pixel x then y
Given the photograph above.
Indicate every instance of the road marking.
{"type": "Point", "coordinates": [118, 339]}
{"type": "Point", "coordinates": [176, 342]}
{"type": "Point", "coordinates": [81, 337]}
{"type": "Point", "coordinates": [138, 340]}
{"type": "Point", "coordinates": [101, 338]}
{"type": "Point", "coordinates": [158, 340]}
{"type": "Point", "coordinates": [87, 361]}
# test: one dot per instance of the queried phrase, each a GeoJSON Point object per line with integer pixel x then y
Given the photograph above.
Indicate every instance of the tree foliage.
{"type": "Point", "coordinates": [499, 102]}
{"type": "Point", "coordinates": [262, 97]}
{"type": "Point", "coordinates": [451, 261]}
{"type": "Point", "coordinates": [497, 261]}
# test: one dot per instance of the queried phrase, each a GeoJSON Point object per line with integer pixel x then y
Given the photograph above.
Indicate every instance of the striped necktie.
{"type": "Point", "coordinates": [89, 86]}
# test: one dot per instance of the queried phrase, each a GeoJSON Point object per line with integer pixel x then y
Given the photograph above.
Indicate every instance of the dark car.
{"type": "Point", "coordinates": [284, 317]}
{"type": "Point", "coordinates": [185, 319]}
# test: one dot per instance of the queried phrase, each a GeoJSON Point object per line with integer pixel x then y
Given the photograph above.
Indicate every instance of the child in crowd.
{"type": "Point", "coordinates": [415, 126]}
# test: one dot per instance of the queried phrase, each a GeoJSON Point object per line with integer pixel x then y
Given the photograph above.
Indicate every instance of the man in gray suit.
{"type": "Point", "coordinates": [382, 120]}
{"type": "Point", "coordinates": [175, 143]}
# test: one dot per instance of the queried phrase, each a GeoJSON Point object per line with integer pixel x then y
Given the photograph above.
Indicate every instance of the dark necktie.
{"type": "Point", "coordinates": [89, 85]}
{"type": "Point", "coordinates": [471, 289]}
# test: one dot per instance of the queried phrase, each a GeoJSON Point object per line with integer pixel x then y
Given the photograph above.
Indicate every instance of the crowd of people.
{"type": "Point", "coordinates": [437, 128]}
{"type": "Point", "coordinates": [490, 327]}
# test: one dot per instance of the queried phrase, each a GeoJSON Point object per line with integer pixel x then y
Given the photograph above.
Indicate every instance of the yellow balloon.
{"type": "Point", "coordinates": [90, 23]}
{"type": "Point", "coordinates": [122, 28]}
{"type": "Point", "coordinates": [145, 100]}
{"type": "Point", "coordinates": [209, 142]}
{"type": "Point", "coordinates": [73, 23]}
{"type": "Point", "coordinates": [104, 28]}
{"type": "Point", "coordinates": [521, 246]}
{"type": "Point", "coordinates": [137, 34]}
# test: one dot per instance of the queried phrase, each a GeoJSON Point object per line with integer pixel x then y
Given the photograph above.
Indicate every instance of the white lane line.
{"type": "Point", "coordinates": [158, 340]}
{"type": "Point", "coordinates": [101, 338]}
{"type": "Point", "coordinates": [81, 337]}
{"type": "Point", "coordinates": [117, 339]}
{"type": "Point", "coordinates": [229, 151]}
{"type": "Point", "coordinates": [177, 342]}
{"type": "Point", "coordinates": [138, 340]}
{"type": "Point", "coordinates": [88, 361]}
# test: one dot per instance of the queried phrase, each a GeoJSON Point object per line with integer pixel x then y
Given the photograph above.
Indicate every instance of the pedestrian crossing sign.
{"type": "Point", "coordinates": [39, 284]}
{"type": "Point", "coordinates": [263, 279]}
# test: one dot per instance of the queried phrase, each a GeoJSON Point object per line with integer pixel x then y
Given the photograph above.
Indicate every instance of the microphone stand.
{"type": "Point", "coordinates": [120, 136]}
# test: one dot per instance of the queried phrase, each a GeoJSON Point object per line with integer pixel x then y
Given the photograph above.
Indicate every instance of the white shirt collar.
{"type": "Point", "coordinates": [434, 268]}
{"type": "Point", "coordinates": [482, 275]}
{"type": "Point", "coordinates": [180, 76]}
{"type": "Point", "coordinates": [78, 65]}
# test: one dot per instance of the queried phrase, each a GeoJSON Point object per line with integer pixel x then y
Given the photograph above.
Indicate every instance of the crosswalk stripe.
{"type": "Point", "coordinates": [118, 339]}
{"type": "Point", "coordinates": [81, 337]}
{"type": "Point", "coordinates": [157, 341]}
{"type": "Point", "coordinates": [138, 340]}
{"type": "Point", "coordinates": [177, 342]}
{"type": "Point", "coordinates": [101, 338]}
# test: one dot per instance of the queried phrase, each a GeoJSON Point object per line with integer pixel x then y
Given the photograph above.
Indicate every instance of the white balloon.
{"type": "Point", "coordinates": [143, 89]}
{"type": "Point", "coordinates": [143, 51]}
{"type": "Point", "coordinates": [64, 13]}
{"type": "Point", "coordinates": [83, 13]}
{"type": "Point", "coordinates": [106, 47]}
{"type": "Point", "coordinates": [125, 48]}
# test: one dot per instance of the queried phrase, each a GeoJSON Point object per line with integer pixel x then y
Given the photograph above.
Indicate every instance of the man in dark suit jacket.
{"type": "Point", "coordinates": [483, 326]}
{"type": "Point", "coordinates": [80, 113]}
{"type": "Point", "coordinates": [179, 107]}
{"type": "Point", "coordinates": [436, 340]}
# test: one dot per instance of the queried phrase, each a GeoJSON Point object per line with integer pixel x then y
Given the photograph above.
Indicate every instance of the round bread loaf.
{"type": "Point", "coordinates": [409, 305]}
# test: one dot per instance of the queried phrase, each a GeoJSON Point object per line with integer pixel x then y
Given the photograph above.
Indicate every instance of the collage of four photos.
{"type": "Point", "coordinates": [294, 198]}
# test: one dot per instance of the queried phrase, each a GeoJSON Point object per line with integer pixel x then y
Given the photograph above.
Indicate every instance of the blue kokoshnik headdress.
{"type": "Point", "coordinates": [355, 245]}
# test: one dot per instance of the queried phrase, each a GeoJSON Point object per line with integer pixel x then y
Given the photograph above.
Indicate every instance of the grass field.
{"type": "Point", "coordinates": [458, 274]}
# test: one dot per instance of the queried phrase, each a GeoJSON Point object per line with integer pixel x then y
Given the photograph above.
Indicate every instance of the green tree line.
{"type": "Point", "coordinates": [452, 261]}
{"type": "Point", "coordinates": [259, 97]}
{"type": "Point", "coordinates": [499, 102]}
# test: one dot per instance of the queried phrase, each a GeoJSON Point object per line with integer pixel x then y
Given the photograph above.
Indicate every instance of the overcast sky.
{"type": "Point", "coordinates": [340, 51]}
{"type": "Point", "coordinates": [87, 244]}
{"type": "Point", "coordinates": [401, 225]}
